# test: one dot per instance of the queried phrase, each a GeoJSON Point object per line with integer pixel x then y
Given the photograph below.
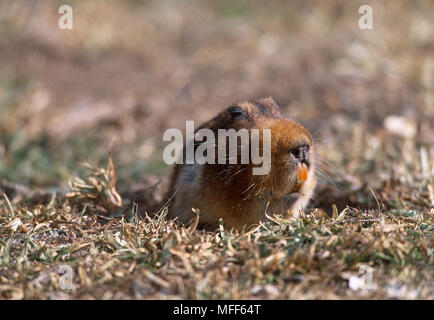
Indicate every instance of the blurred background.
{"type": "Point", "coordinates": [129, 70]}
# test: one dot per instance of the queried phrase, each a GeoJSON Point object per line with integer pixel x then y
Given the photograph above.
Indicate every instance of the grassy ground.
{"type": "Point", "coordinates": [130, 70]}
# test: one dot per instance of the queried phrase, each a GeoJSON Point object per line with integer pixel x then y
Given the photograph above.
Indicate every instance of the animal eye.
{"type": "Point", "coordinates": [300, 152]}
{"type": "Point", "coordinates": [237, 112]}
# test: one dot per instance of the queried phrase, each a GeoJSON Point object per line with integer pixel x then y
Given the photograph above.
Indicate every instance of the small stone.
{"type": "Point", "coordinates": [401, 126]}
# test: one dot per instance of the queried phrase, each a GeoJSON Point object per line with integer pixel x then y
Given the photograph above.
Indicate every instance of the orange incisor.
{"type": "Point", "coordinates": [301, 175]}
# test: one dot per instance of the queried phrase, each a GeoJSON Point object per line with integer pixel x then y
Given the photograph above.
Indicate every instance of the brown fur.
{"type": "Point", "coordinates": [230, 191]}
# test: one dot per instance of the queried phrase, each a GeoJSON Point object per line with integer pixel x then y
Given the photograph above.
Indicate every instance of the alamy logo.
{"type": "Point", "coordinates": [366, 20]}
{"type": "Point", "coordinates": [255, 146]}
{"type": "Point", "coordinates": [364, 280]}
{"type": "Point", "coordinates": [65, 21]}
{"type": "Point", "coordinates": [67, 277]}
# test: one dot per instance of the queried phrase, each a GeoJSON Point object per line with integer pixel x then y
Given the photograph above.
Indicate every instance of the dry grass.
{"type": "Point", "coordinates": [130, 257]}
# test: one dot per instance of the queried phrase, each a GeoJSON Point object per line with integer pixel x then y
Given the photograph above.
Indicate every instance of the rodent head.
{"type": "Point", "coordinates": [292, 158]}
{"type": "Point", "coordinates": [292, 151]}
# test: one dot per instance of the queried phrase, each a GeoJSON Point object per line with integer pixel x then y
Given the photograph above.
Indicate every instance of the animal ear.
{"type": "Point", "coordinates": [268, 106]}
{"type": "Point", "coordinates": [270, 102]}
{"type": "Point", "coordinates": [236, 112]}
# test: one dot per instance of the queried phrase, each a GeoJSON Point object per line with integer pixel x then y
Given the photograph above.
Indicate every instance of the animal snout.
{"type": "Point", "coordinates": [301, 154]}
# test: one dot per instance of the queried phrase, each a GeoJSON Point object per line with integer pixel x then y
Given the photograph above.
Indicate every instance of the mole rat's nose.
{"type": "Point", "coordinates": [302, 154]}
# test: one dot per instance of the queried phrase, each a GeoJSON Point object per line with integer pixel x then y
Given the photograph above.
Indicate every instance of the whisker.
{"type": "Point", "coordinates": [326, 163]}
{"type": "Point", "coordinates": [242, 169]}
{"type": "Point", "coordinates": [325, 178]}
{"type": "Point", "coordinates": [247, 197]}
